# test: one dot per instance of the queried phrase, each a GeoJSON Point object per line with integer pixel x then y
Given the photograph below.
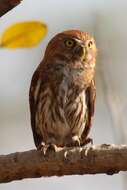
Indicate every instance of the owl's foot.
{"type": "Point", "coordinates": [40, 146]}
{"type": "Point", "coordinates": [46, 148]}
{"type": "Point", "coordinates": [75, 141]}
{"type": "Point", "coordinates": [87, 141]}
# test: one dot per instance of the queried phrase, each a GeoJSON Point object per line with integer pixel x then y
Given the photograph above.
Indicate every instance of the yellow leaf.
{"type": "Point", "coordinates": [23, 34]}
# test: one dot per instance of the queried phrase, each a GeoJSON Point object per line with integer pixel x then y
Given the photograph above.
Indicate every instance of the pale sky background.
{"type": "Point", "coordinates": [106, 21]}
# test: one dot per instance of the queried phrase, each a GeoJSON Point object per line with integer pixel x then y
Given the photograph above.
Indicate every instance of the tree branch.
{"type": "Point", "coordinates": [7, 5]}
{"type": "Point", "coordinates": [107, 159]}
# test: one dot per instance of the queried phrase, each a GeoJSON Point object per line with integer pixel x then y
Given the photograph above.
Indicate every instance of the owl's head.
{"type": "Point", "coordinates": [72, 45]}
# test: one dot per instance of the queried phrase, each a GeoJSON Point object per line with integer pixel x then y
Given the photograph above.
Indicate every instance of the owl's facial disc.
{"type": "Point", "coordinates": [76, 47]}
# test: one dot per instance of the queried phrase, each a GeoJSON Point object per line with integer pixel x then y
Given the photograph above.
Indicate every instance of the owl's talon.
{"type": "Point", "coordinates": [87, 141]}
{"type": "Point", "coordinates": [45, 148]}
{"type": "Point", "coordinates": [52, 147]}
{"type": "Point", "coordinates": [75, 141]}
{"type": "Point", "coordinates": [40, 146]}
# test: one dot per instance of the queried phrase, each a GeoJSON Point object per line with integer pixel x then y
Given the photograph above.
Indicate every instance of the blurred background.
{"type": "Point", "coordinates": [106, 21]}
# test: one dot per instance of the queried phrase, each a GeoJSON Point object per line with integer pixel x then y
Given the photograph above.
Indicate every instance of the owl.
{"type": "Point", "coordinates": [62, 92]}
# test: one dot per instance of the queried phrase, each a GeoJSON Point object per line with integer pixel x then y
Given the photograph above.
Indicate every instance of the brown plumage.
{"type": "Point", "coordinates": [62, 92]}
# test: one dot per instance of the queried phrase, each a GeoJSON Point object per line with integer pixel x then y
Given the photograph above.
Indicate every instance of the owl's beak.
{"type": "Point", "coordinates": [80, 51]}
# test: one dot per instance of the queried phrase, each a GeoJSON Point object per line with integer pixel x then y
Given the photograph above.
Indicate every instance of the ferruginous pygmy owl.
{"type": "Point", "coordinates": [62, 92]}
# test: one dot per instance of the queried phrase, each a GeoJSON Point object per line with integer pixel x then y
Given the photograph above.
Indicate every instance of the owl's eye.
{"type": "Point", "coordinates": [69, 43]}
{"type": "Point", "coordinates": [90, 44]}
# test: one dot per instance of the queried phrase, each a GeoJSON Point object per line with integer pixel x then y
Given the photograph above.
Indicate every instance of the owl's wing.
{"type": "Point", "coordinates": [90, 101]}
{"type": "Point", "coordinates": [34, 81]}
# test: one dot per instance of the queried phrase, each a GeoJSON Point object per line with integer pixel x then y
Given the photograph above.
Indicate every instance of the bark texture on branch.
{"type": "Point", "coordinates": [107, 159]}
{"type": "Point", "coordinates": [7, 5]}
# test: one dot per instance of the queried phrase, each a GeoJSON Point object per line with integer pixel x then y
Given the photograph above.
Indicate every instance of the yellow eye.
{"type": "Point", "coordinates": [69, 43]}
{"type": "Point", "coordinates": [90, 44]}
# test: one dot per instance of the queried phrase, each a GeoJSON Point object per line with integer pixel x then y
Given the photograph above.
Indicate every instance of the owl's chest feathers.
{"type": "Point", "coordinates": [61, 110]}
{"type": "Point", "coordinates": [78, 77]}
